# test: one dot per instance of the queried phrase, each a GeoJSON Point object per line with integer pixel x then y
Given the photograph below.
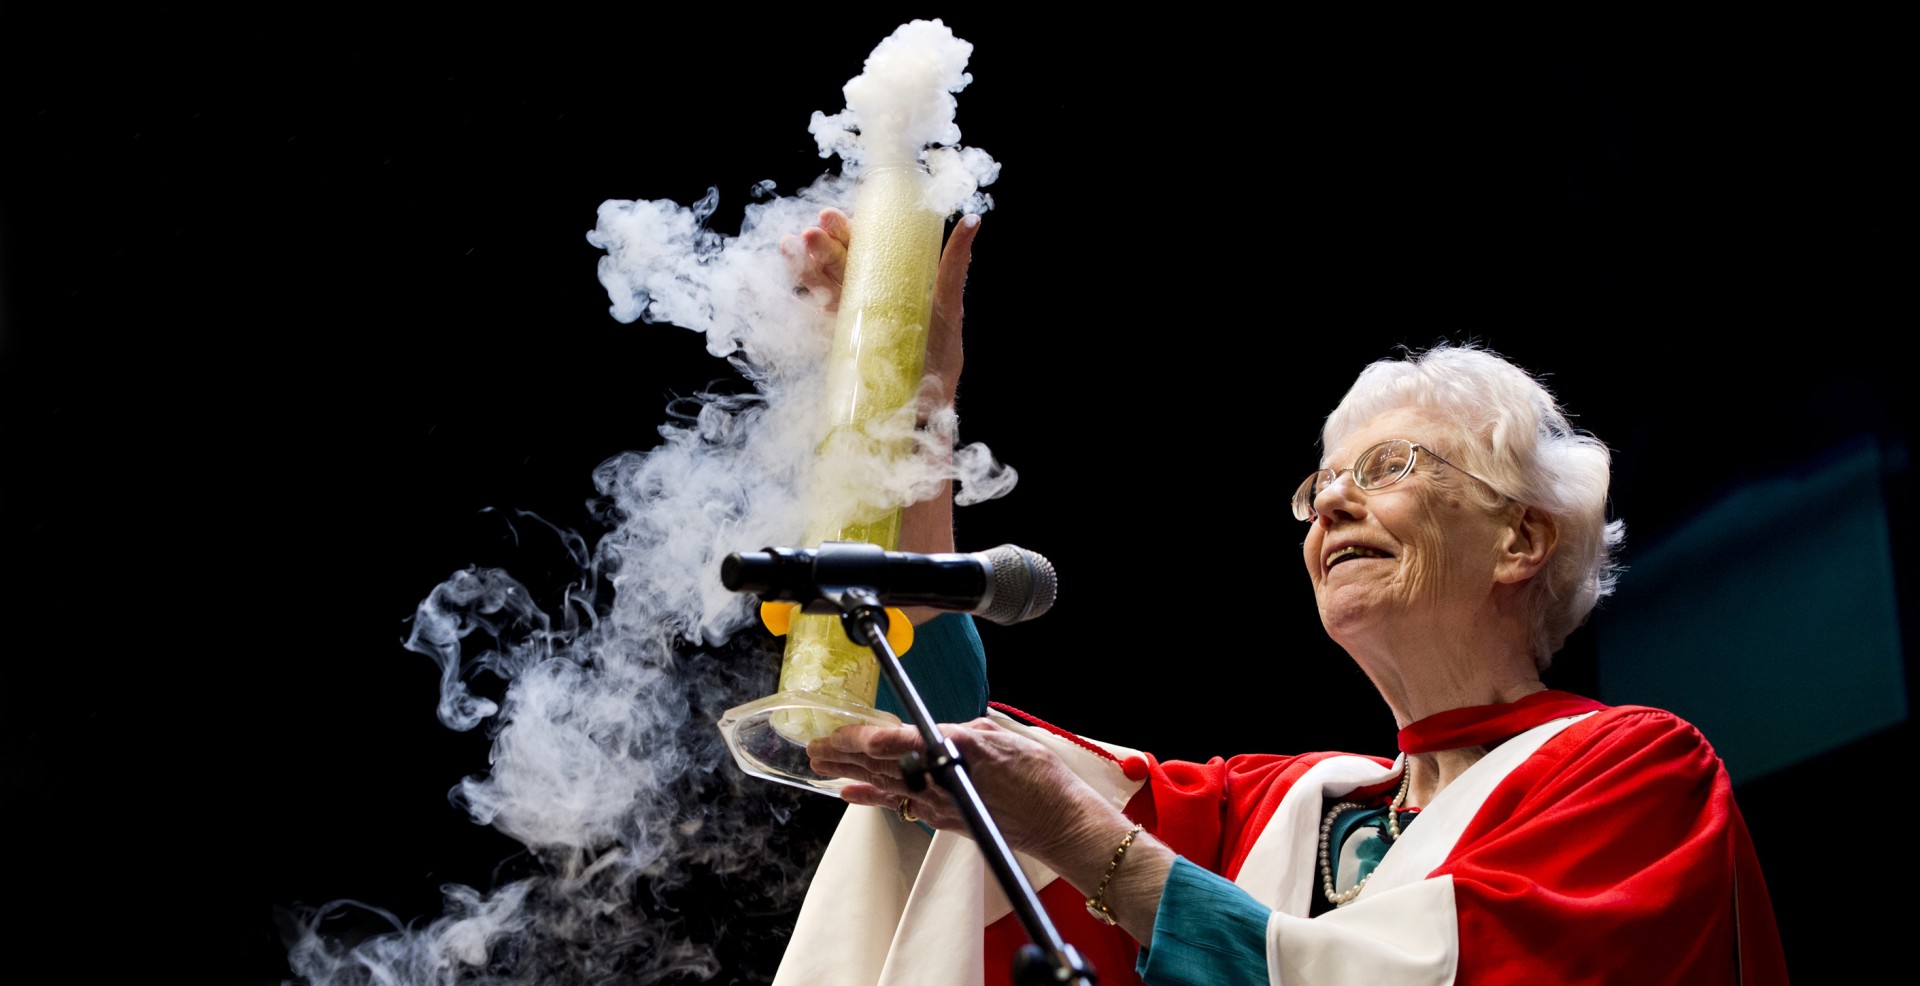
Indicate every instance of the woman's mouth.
{"type": "Point", "coordinates": [1351, 552]}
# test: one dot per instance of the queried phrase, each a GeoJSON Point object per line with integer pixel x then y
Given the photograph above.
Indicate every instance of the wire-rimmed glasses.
{"type": "Point", "coordinates": [1378, 467]}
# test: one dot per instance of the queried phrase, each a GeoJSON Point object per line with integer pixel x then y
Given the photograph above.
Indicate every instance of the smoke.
{"type": "Point", "coordinates": [601, 704]}
{"type": "Point", "coordinates": [901, 111]}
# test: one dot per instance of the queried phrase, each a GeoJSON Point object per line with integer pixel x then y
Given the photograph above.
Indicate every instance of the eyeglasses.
{"type": "Point", "coordinates": [1377, 468]}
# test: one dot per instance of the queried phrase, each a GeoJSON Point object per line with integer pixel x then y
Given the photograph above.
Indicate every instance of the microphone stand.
{"type": "Point", "coordinates": [1047, 958]}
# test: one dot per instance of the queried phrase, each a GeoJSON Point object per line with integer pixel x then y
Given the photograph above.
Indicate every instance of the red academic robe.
{"type": "Point", "coordinates": [1610, 852]}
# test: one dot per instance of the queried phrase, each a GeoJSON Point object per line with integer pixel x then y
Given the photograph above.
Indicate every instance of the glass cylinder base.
{"type": "Point", "coordinates": [764, 744]}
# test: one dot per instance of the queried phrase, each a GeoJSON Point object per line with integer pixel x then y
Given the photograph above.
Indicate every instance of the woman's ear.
{"type": "Point", "coordinates": [1529, 542]}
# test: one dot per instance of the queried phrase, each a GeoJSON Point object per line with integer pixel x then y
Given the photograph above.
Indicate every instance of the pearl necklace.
{"type": "Point", "coordinates": [1326, 831]}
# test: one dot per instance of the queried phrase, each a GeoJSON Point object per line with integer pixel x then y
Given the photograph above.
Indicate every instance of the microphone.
{"type": "Point", "coordinates": [1004, 584]}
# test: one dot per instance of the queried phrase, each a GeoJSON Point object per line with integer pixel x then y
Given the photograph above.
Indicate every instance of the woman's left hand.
{"type": "Point", "coordinates": [1039, 805]}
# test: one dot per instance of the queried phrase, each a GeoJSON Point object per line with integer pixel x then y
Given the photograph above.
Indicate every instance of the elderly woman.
{"type": "Point", "coordinates": [1455, 534]}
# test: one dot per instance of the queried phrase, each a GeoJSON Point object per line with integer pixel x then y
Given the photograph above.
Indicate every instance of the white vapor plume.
{"type": "Point", "coordinates": [901, 111]}
{"type": "Point", "coordinates": [606, 763]}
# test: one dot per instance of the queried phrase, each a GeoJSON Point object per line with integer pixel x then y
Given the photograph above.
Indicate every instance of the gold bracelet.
{"type": "Point", "coordinates": [1097, 904]}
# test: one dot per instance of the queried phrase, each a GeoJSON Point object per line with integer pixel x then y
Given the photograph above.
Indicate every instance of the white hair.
{"type": "Point", "coordinates": [1511, 432]}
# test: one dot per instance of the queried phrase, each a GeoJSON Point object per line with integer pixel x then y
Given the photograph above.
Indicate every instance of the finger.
{"type": "Point", "coordinates": [836, 224]}
{"type": "Point", "coordinates": [852, 765]}
{"type": "Point", "coordinates": [928, 805]}
{"type": "Point", "coordinates": [870, 794]}
{"type": "Point", "coordinates": [944, 357]}
{"type": "Point", "coordinates": [826, 251]}
{"type": "Point", "coordinates": [951, 283]}
{"type": "Point", "coordinates": [867, 755]}
{"type": "Point", "coordinates": [881, 777]}
{"type": "Point", "coordinates": [840, 762]}
{"type": "Point", "coordinates": [793, 249]}
{"type": "Point", "coordinates": [958, 253]}
{"type": "Point", "coordinates": [883, 742]}
{"type": "Point", "coordinates": [824, 267]}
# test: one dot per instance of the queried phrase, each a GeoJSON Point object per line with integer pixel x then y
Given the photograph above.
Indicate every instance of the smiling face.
{"type": "Point", "coordinates": [1423, 547]}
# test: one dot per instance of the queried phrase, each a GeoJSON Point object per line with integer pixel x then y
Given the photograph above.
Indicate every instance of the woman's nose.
{"type": "Point", "coordinates": [1340, 498]}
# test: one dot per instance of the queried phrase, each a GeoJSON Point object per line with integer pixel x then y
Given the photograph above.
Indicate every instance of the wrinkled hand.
{"type": "Point", "coordinates": [818, 258]}
{"type": "Point", "coordinates": [1039, 805]}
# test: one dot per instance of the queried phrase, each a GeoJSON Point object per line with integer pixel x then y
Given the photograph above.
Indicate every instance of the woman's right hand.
{"type": "Point", "coordinates": [817, 258]}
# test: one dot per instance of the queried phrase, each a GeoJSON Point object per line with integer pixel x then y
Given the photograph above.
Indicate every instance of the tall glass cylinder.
{"type": "Point", "coordinates": [873, 380]}
{"type": "Point", "coordinates": [873, 376]}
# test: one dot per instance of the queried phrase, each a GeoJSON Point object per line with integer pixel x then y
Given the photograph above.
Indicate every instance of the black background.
{"type": "Point", "coordinates": [290, 303]}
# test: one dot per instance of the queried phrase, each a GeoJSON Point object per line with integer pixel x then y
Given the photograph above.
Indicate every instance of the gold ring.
{"type": "Point", "coordinates": [905, 814]}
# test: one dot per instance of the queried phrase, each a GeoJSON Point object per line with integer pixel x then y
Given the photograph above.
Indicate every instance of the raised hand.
{"type": "Point", "coordinates": [817, 257]}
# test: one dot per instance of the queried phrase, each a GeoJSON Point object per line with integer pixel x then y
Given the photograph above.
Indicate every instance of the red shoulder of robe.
{"type": "Point", "coordinates": [1615, 853]}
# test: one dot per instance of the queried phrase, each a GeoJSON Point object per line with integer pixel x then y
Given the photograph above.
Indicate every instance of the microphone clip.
{"type": "Point", "coordinates": [861, 612]}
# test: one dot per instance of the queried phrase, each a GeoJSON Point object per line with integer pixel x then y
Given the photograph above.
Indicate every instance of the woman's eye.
{"type": "Point", "coordinates": [1391, 467]}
